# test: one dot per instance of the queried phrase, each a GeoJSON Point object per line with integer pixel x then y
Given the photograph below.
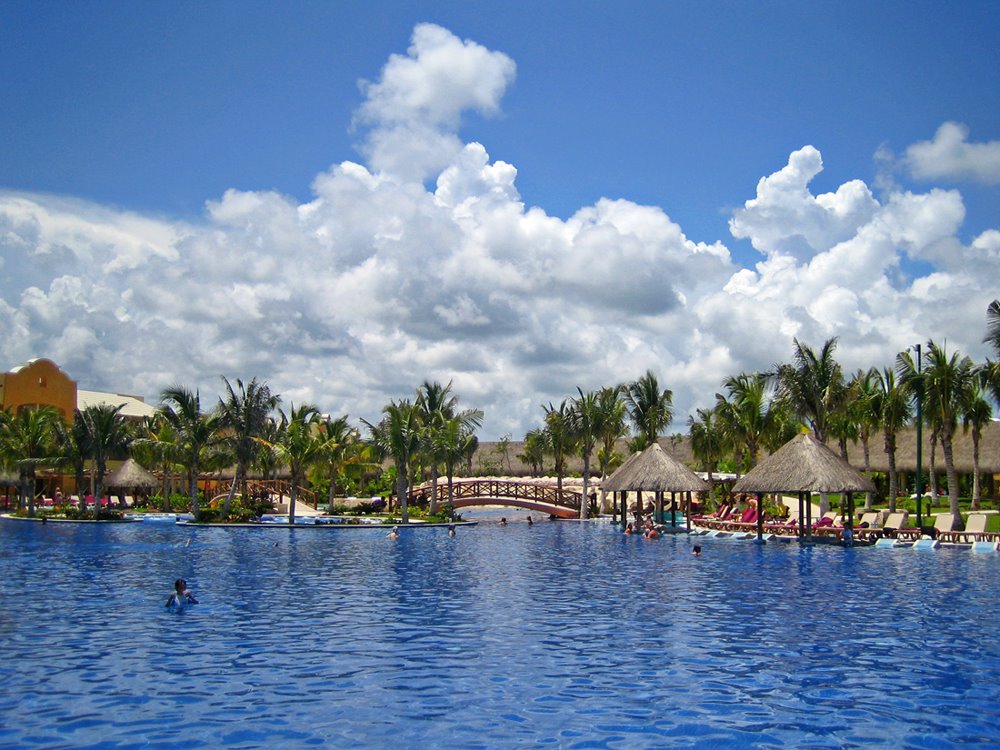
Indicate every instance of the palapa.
{"type": "Point", "coordinates": [654, 470]}
{"type": "Point", "coordinates": [803, 464]}
{"type": "Point", "coordinates": [131, 474]}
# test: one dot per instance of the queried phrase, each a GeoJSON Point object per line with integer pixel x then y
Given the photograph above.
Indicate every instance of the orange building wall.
{"type": "Point", "coordinates": [40, 382]}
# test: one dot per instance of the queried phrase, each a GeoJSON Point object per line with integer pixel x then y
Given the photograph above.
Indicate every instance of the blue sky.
{"type": "Point", "coordinates": [150, 113]}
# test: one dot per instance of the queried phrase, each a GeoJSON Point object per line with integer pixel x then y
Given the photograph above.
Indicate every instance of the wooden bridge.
{"type": "Point", "coordinates": [543, 498]}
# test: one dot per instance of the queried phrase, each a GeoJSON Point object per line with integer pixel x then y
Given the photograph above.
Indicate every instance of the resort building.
{"type": "Point", "coordinates": [41, 382]}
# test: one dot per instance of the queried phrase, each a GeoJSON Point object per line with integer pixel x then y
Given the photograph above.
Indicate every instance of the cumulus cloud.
{"type": "Point", "coordinates": [389, 276]}
{"type": "Point", "coordinates": [950, 156]}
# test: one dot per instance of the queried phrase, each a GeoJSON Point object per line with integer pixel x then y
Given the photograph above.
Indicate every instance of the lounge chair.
{"type": "Point", "coordinates": [975, 531]}
{"type": "Point", "coordinates": [896, 526]}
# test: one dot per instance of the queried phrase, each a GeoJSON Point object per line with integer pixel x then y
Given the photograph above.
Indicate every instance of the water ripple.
{"type": "Point", "coordinates": [562, 635]}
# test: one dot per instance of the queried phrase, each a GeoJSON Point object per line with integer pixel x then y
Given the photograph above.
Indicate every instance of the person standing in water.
{"type": "Point", "coordinates": [180, 595]}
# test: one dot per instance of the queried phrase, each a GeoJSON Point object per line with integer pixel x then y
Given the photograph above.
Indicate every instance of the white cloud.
{"type": "Point", "coordinates": [377, 282]}
{"type": "Point", "coordinates": [950, 156]}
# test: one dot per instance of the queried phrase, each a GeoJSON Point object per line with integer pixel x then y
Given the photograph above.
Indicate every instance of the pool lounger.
{"type": "Point", "coordinates": [926, 544]}
{"type": "Point", "coordinates": [888, 543]}
{"type": "Point", "coordinates": [986, 546]}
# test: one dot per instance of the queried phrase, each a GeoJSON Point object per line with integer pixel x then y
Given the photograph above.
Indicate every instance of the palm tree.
{"type": "Point", "coordinates": [535, 448]}
{"type": "Point", "coordinates": [893, 403]}
{"type": "Point", "coordinates": [946, 383]}
{"type": "Point", "coordinates": [976, 414]}
{"type": "Point", "coordinates": [991, 368]}
{"type": "Point", "coordinates": [864, 386]}
{"type": "Point", "coordinates": [453, 441]}
{"type": "Point", "coordinates": [339, 444]}
{"type": "Point", "coordinates": [585, 422]}
{"type": "Point", "coordinates": [436, 405]}
{"type": "Point", "coordinates": [28, 440]}
{"type": "Point", "coordinates": [243, 415]}
{"type": "Point", "coordinates": [613, 425]}
{"type": "Point", "coordinates": [749, 417]}
{"type": "Point", "coordinates": [708, 439]}
{"type": "Point", "coordinates": [195, 434]}
{"type": "Point", "coordinates": [398, 435]}
{"type": "Point", "coordinates": [157, 446]}
{"type": "Point", "coordinates": [71, 448]}
{"type": "Point", "coordinates": [106, 436]}
{"type": "Point", "coordinates": [813, 385]}
{"type": "Point", "coordinates": [298, 446]}
{"type": "Point", "coordinates": [561, 438]}
{"type": "Point", "coordinates": [650, 408]}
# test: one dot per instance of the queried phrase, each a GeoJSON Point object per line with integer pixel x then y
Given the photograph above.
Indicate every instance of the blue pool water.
{"type": "Point", "coordinates": [561, 635]}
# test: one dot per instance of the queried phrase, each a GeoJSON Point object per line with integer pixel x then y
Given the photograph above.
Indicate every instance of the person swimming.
{"type": "Point", "coordinates": [394, 533]}
{"type": "Point", "coordinates": [451, 531]}
{"type": "Point", "coordinates": [696, 551]}
{"type": "Point", "coordinates": [180, 596]}
{"type": "Point", "coordinates": [503, 521]}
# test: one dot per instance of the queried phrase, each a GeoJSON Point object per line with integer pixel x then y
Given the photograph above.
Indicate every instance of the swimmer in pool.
{"type": "Point", "coordinates": [394, 534]}
{"type": "Point", "coordinates": [451, 531]}
{"type": "Point", "coordinates": [180, 595]}
{"type": "Point", "coordinates": [696, 551]}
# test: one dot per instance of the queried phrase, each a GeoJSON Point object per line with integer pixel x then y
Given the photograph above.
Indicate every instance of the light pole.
{"type": "Point", "coordinates": [920, 436]}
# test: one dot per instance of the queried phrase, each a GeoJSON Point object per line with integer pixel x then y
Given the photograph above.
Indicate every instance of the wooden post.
{"type": "Point", "coordinates": [687, 512]}
{"type": "Point", "coordinates": [760, 517]}
{"type": "Point", "coordinates": [673, 509]}
{"type": "Point", "coordinates": [809, 522]}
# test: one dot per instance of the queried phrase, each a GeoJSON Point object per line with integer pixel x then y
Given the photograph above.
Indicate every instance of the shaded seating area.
{"type": "Point", "coordinates": [803, 466]}
{"type": "Point", "coordinates": [654, 470]}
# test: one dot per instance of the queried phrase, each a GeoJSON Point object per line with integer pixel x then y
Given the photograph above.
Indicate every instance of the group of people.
{"type": "Point", "coordinates": [649, 530]}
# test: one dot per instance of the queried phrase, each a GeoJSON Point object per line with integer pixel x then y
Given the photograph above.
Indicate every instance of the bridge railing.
{"type": "Point", "coordinates": [501, 489]}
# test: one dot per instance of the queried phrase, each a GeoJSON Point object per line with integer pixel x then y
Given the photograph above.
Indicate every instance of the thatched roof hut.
{"type": "Point", "coordinates": [131, 474]}
{"type": "Point", "coordinates": [654, 470]}
{"type": "Point", "coordinates": [803, 464]}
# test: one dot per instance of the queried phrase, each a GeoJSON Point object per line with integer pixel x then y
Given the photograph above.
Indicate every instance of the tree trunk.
{"type": "Point", "coordinates": [401, 491]}
{"type": "Point", "coordinates": [433, 509]}
{"type": "Point", "coordinates": [890, 452]}
{"type": "Point", "coordinates": [976, 488]}
{"type": "Point", "coordinates": [949, 463]}
{"type": "Point", "coordinates": [293, 494]}
{"type": "Point", "coordinates": [868, 472]}
{"type": "Point", "coordinates": [585, 499]}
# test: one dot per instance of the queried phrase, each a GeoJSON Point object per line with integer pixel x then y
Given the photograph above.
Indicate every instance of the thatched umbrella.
{"type": "Point", "coordinates": [654, 470]}
{"type": "Point", "coordinates": [131, 474]}
{"type": "Point", "coordinates": [803, 465]}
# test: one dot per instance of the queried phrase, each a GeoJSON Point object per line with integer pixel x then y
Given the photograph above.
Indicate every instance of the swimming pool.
{"type": "Point", "coordinates": [560, 635]}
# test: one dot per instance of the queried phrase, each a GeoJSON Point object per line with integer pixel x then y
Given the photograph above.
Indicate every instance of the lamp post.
{"type": "Point", "coordinates": [920, 440]}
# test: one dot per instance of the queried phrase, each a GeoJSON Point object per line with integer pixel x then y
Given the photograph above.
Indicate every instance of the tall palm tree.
{"type": "Point", "coordinates": [340, 447]}
{"type": "Point", "coordinates": [243, 415]}
{"type": "Point", "coordinates": [893, 402]}
{"type": "Point", "coordinates": [708, 439]}
{"type": "Point", "coordinates": [72, 449]}
{"type": "Point", "coordinates": [196, 434]}
{"type": "Point", "coordinates": [398, 435]}
{"type": "Point", "coordinates": [613, 425]}
{"type": "Point", "coordinates": [298, 445]}
{"type": "Point", "coordinates": [865, 389]}
{"type": "Point", "coordinates": [453, 441]}
{"type": "Point", "coordinates": [535, 449]}
{"type": "Point", "coordinates": [976, 414]}
{"type": "Point", "coordinates": [561, 438]}
{"type": "Point", "coordinates": [156, 446]}
{"type": "Point", "coordinates": [946, 383]}
{"type": "Point", "coordinates": [650, 408]}
{"type": "Point", "coordinates": [585, 422]}
{"type": "Point", "coordinates": [813, 385]}
{"type": "Point", "coordinates": [749, 417]}
{"type": "Point", "coordinates": [992, 368]}
{"type": "Point", "coordinates": [436, 405]}
{"type": "Point", "coordinates": [107, 436]}
{"type": "Point", "coordinates": [28, 440]}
